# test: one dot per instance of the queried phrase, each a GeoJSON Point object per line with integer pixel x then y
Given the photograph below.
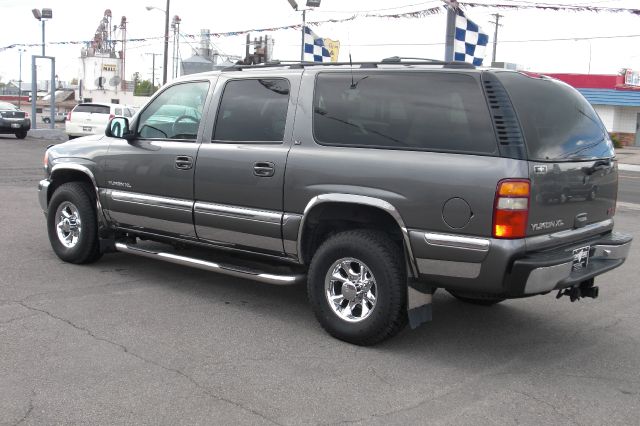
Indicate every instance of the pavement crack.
{"type": "Point", "coordinates": [16, 319]}
{"type": "Point", "coordinates": [176, 371]}
{"type": "Point", "coordinates": [548, 404]}
{"type": "Point", "coordinates": [27, 413]}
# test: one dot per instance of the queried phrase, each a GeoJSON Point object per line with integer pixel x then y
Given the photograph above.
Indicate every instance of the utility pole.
{"type": "Point", "coordinates": [495, 34]}
{"type": "Point", "coordinates": [20, 80]}
{"type": "Point", "coordinates": [153, 71]}
{"type": "Point", "coordinates": [166, 44]}
{"type": "Point", "coordinates": [452, 6]}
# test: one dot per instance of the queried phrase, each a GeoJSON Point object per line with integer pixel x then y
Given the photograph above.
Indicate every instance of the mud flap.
{"type": "Point", "coordinates": [419, 298]}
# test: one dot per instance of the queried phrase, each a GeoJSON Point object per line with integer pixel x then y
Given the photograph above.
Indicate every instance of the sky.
{"type": "Point", "coordinates": [364, 38]}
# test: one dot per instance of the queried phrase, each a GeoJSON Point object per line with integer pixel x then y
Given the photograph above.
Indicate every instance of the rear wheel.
{"type": "Point", "coordinates": [72, 224]}
{"type": "Point", "coordinates": [21, 134]}
{"type": "Point", "coordinates": [46, 120]}
{"type": "Point", "coordinates": [357, 287]}
{"type": "Point", "coordinates": [477, 298]}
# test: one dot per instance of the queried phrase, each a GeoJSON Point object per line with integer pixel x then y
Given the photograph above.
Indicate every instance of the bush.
{"type": "Point", "coordinates": [616, 141]}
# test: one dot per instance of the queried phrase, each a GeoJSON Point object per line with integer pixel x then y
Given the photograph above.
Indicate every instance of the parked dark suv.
{"type": "Point", "coordinates": [13, 120]}
{"type": "Point", "coordinates": [377, 183]}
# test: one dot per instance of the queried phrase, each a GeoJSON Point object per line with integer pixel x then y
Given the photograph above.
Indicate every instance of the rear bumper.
{"type": "Point", "coordinates": [12, 125]}
{"type": "Point", "coordinates": [515, 268]}
{"type": "Point", "coordinates": [552, 270]}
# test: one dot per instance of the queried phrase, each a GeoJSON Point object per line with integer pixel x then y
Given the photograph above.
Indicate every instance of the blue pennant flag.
{"type": "Point", "coordinates": [470, 41]}
{"type": "Point", "coordinates": [314, 49]}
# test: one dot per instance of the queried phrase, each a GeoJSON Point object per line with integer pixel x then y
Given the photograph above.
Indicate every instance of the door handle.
{"type": "Point", "coordinates": [184, 162]}
{"type": "Point", "coordinates": [264, 169]}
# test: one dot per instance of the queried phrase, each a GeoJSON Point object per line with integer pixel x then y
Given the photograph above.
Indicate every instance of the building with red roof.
{"type": "Point", "coordinates": [616, 99]}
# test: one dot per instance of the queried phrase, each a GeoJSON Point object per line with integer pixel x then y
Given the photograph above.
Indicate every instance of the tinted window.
{"type": "Point", "coordinates": [408, 110]}
{"type": "Point", "coordinates": [253, 110]}
{"type": "Point", "coordinates": [175, 113]}
{"type": "Point", "coordinates": [118, 111]}
{"type": "Point", "coordinates": [558, 122]}
{"type": "Point", "coordinates": [95, 109]}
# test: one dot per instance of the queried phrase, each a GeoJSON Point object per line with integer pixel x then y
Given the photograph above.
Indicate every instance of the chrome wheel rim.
{"type": "Point", "coordinates": [351, 289]}
{"type": "Point", "coordinates": [68, 224]}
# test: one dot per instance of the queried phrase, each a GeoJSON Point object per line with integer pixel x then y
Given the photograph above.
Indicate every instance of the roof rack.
{"type": "Point", "coordinates": [394, 60]}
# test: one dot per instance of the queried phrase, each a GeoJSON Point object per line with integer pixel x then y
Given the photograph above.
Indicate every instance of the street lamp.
{"type": "Point", "coordinates": [310, 4]}
{"type": "Point", "coordinates": [166, 38]}
{"type": "Point", "coordinates": [42, 16]}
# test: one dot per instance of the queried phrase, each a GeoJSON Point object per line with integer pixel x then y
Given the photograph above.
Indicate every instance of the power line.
{"type": "Point", "coordinates": [503, 41]}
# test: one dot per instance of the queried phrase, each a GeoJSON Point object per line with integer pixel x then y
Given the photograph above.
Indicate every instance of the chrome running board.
{"type": "Point", "coordinates": [206, 265]}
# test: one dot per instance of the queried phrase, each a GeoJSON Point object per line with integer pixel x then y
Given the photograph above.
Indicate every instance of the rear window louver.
{"type": "Point", "coordinates": [505, 121]}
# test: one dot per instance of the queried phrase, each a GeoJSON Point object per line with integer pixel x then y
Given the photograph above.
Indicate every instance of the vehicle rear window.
{"type": "Point", "coordinates": [439, 111]}
{"type": "Point", "coordinates": [95, 109]}
{"type": "Point", "coordinates": [558, 123]}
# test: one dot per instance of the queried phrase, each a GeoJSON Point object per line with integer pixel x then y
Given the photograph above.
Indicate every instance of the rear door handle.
{"type": "Point", "coordinates": [184, 162]}
{"type": "Point", "coordinates": [264, 169]}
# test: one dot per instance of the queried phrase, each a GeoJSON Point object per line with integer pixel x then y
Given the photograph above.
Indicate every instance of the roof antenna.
{"type": "Point", "coordinates": [353, 84]}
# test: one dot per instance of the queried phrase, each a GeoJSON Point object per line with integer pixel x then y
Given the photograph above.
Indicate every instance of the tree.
{"type": "Point", "coordinates": [144, 88]}
{"type": "Point", "coordinates": [74, 81]}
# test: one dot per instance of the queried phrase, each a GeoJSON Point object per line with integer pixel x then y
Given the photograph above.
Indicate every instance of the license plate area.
{"type": "Point", "coordinates": [580, 258]}
{"type": "Point", "coordinates": [15, 125]}
{"type": "Point", "coordinates": [86, 129]}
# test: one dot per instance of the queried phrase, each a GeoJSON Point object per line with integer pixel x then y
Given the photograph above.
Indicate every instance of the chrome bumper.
{"type": "Point", "coordinates": [605, 257]}
{"type": "Point", "coordinates": [43, 190]}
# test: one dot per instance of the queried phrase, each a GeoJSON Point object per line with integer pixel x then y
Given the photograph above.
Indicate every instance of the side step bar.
{"type": "Point", "coordinates": [233, 271]}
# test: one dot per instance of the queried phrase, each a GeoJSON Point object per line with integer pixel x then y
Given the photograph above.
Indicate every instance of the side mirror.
{"type": "Point", "coordinates": [118, 127]}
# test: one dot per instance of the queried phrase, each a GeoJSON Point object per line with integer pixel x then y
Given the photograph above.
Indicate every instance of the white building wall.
{"type": "Point", "coordinates": [625, 119]}
{"type": "Point", "coordinates": [606, 113]}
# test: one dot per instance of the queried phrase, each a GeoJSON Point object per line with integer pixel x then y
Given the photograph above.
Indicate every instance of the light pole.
{"type": "Point", "coordinates": [42, 16]}
{"type": "Point", "coordinates": [20, 79]}
{"type": "Point", "coordinates": [166, 38]}
{"type": "Point", "coordinates": [310, 4]}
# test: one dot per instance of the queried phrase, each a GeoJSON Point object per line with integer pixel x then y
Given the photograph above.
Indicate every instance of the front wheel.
{"type": "Point", "coordinates": [357, 287]}
{"type": "Point", "coordinates": [72, 224]}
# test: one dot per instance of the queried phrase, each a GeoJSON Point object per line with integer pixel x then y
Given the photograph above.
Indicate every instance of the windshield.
{"type": "Point", "coordinates": [559, 124]}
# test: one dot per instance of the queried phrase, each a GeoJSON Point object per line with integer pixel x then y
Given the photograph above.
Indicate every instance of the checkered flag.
{"type": "Point", "coordinates": [470, 41]}
{"type": "Point", "coordinates": [314, 50]}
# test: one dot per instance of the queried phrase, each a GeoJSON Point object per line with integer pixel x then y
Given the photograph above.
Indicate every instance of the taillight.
{"type": "Point", "coordinates": [46, 160]}
{"type": "Point", "coordinates": [111, 116]}
{"type": "Point", "coordinates": [511, 208]}
{"type": "Point", "coordinates": [69, 116]}
{"type": "Point", "coordinates": [26, 115]}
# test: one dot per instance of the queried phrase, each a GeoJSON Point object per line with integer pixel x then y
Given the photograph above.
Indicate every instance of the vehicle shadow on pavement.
{"type": "Point", "coordinates": [518, 328]}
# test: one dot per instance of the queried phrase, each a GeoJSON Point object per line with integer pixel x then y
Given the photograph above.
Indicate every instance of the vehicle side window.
{"type": "Point", "coordinates": [253, 110]}
{"type": "Point", "coordinates": [119, 111]}
{"type": "Point", "coordinates": [175, 113]}
{"type": "Point", "coordinates": [438, 111]}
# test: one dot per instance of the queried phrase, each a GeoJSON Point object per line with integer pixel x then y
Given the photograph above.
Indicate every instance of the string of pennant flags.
{"type": "Point", "coordinates": [414, 14]}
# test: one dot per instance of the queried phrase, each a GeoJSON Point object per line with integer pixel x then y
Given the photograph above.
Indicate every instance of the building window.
{"type": "Point", "coordinates": [85, 100]}
{"type": "Point", "coordinates": [115, 101]}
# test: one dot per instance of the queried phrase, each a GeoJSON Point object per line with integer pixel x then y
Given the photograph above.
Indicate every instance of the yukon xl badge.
{"type": "Point", "coordinates": [547, 225]}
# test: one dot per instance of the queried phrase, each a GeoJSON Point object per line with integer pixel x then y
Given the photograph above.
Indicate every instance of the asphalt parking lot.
{"type": "Point", "coordinates": [132, 340]}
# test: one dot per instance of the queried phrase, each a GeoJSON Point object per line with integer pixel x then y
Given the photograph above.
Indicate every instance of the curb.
{"type": "Point", "coordinates": [48, 134]}
{"type": "Point", "coordinates": [629, 167]}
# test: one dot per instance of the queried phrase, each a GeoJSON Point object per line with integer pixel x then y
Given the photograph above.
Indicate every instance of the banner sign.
{"type": "Point", "coordinates": [632, 78]}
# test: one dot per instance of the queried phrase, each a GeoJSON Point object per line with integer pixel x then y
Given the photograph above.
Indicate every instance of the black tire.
{"type": "Point", "coordinates": [477, 298]}
{"type": "Point", "coordinates": [87, 247]}
{"type": "Point", "coordinates": [46, 120]}
{"type": "Point", "coordinates": [21, 134]}
{"type": "Point", "coordinates": [385, 260]}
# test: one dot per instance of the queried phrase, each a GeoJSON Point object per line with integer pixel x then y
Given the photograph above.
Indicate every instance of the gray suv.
{"type": "Point", "coordinates": [376, 183]}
